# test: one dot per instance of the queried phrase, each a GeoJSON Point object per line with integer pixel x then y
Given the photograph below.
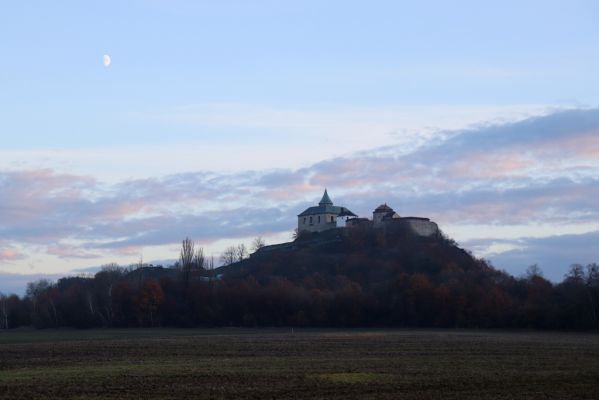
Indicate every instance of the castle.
{"type": "Point", "coordinates": [324, 217]}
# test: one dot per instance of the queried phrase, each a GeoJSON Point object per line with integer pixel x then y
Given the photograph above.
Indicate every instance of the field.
{"type": "Point", "coordinates": [281, 364]}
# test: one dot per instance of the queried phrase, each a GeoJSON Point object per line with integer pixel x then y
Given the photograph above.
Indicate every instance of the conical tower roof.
{"type": "Point", "coordinates": [326, 200]}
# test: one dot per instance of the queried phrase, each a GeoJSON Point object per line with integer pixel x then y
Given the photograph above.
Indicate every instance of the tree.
{"type": "Point", "coordinates": [210, 267]}
{"type": "Point", "coordinates": [35, 289]}
{"type": "Point", "coordinates": [104, 282]}
{"type": "Point", "coordinates": [588, 280]}
{"type": "Point", "coordinates": [3, 311]}
{"type": "Point", "coordinates": [241, 252]}
{"type": "Point", "coordinates": [187, 258]}
{"type": "Point", "coordinates": [592, 275]}
{"type": "Point", "coordinates": [229, 256]}
{"type": "Point", "coordinates": [122, 303]}
{"type": "Point", "coordinates": [576, 275]}
{"type": "Point", "coordinates": [43, 296]}
{"type": "Point", "coordinates": [149, 299]}
{"type": "Point", "coordinates": [592, 284]}
{"type": "Point", "coordinates": [258, 243]}
{"type": "Point", "coordinates": [140, 271]}
{"type": "Point", "coordinates": [199, 260]}
{"type": "Point", "coordinates": [533, 271]}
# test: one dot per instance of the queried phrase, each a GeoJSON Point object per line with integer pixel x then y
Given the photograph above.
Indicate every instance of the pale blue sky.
{"type": "Point", "coordinates": [291, 55]}
{"type": "Point", "coordinates": [240, 111]}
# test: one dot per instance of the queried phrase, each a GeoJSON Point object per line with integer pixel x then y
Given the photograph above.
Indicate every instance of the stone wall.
{"type": "Point", "coordinates": [422, 226]}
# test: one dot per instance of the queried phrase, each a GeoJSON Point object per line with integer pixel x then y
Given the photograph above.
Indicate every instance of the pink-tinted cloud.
{"type": "Point", "coordinates": [543, 170]}
{"type": "Point", "coordinates": [9, 254]}
{"type": "Point", "coordinates": [491, 165]}
{"type": "Point", "coordinates": [66, 251]}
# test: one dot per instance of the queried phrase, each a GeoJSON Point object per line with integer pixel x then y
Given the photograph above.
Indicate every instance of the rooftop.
{"type": "Point", "coordinates": [326, 200]}
{"type": "Point", "coordinates": [325, 206]}
{"type": "Point", "coordinates": [383, 208]}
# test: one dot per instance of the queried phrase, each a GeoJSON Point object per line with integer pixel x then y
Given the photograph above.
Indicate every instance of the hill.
{"type": "Point", "coordinates": [365, 255]}
{"type": "Point", "coordinates": [392, 276]}
{"type": "Point", "coordinates": [359, 276]}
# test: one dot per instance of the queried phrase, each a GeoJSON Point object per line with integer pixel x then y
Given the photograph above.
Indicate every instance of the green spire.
{"type": "Point", "coordinates": [326, 200]}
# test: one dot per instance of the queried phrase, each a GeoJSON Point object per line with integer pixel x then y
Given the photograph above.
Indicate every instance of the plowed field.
{"type": "Point", "coordinates": [281, 364]}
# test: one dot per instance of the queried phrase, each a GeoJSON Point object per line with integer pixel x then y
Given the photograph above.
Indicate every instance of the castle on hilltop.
{"type": "Point", "coordinates": [324, 216]}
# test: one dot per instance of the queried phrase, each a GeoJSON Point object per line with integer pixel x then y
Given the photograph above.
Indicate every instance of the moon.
{"type": "Point", "coordinates": [107, 60]}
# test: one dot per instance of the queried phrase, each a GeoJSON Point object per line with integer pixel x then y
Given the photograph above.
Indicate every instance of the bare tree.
{"type": "Point", "coordinates": [533, 271]}
{"type": "Point", "coordinates": [186, 257]}
{"type": "Point", "coordinates": [258, 243]}
{"type": "Point", "coordinates": [139, 267]}
{"type": "Point", "coordinates": [592, 284]}
{"type": "Point", "coordinates": [199, 260]}
{"type": "Point", "coordinates": [241, 252]}
{"type": "Point", "coordinates": [589, 279]}
{"type": "Point", "coordinates": [229, 256]}
{"type": "Point", "coordinates": [43, 290]}
{"type": "Point", "coordinates": [187, 253]}
{"type": "Point", "coordinates": [34, 289]}
{"type": "Point", "coordinates": [3, 311]}
{"type": "Point", "coordinates": [576, 274]}
{"type": "Point", "coordinates": [210, 267]}
{"type": "Point", "coordinates": [105, 280]}
{"type": "Point", "coordinates": [297, 234]}
{"type": "Point", "coordinates": [592, 275]}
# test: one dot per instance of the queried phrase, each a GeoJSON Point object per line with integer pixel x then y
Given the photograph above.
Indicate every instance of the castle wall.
{"type": "Point", "coordinates": [377, 219]}
{"type": "Point", "coordinates": [422, 227]}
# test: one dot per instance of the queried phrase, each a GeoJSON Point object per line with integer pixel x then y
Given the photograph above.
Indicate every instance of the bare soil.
{"type": "Point", "coordinates": [281, 364]}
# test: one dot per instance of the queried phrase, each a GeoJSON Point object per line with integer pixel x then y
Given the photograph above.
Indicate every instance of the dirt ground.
{"type": "Point", "coordinates": [286, 364]}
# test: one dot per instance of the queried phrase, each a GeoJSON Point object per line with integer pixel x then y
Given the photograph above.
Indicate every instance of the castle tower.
{"type": "Point", "coordinates": [383, 213]}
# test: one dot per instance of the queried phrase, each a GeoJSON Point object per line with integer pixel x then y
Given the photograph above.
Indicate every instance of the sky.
{"type": "Point", "coordinates": [222, 121]}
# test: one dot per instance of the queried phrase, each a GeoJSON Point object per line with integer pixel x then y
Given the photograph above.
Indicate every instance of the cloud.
{"type": "Point", "coordinates": [17, 283]}
{"type": "Point", "coordinates": [70, 251]}
{"type": "Point", "coordinates": [553, 254]}
{"type": "Point", "coordinates": [238, 136]}
{"type": "Point", "coordinates": [10, 254]}
{"type": "Point", "coordinates": [539, 170]}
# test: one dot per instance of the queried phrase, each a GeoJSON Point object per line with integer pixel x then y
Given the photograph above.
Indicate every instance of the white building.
{"type": "Point", "coordinates": [321, 217]}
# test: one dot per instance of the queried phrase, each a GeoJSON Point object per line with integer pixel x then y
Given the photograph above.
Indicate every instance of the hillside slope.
{"type": "Point", "coordinates": [365, 255]}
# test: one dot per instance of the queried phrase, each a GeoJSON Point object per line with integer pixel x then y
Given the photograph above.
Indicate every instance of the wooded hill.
{"type": "Point", "coordinates": [343, 277]}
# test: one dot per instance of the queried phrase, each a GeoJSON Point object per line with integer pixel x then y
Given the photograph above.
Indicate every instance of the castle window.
{"type": "Point", "coordinates": [304, 220]}
{"type": "Point", "coordinates": [319, 219]}
{"type": "Point", "coordinates": [332, 219]}
{"type": "Point", "coordinates": [310, 219]}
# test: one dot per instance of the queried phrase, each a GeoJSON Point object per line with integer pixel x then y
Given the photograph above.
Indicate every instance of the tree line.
{"type": "Point", "coordinates": [425, 283]}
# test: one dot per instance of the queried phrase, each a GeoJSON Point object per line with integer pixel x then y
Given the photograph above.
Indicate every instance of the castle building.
{"type": "Point", "coordinates": [384, 217]}
{"type": "Point", "coordinates": [324, 217]}
{"type": "Point", "coordinates": [382, 214]}
{"type": "Point", "coordinates": [321, 217]}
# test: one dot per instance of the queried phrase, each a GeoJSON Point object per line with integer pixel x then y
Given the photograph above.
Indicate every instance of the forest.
{"type": "Point", "coordinates": [345, 278]}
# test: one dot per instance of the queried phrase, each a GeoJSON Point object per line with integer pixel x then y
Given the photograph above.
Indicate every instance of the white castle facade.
{"type": "Point", "coordinates": [324, 217]}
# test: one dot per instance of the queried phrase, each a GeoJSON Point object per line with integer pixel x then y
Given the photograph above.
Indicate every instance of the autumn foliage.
{"type": "Point", "coordinates": [345, 278]}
